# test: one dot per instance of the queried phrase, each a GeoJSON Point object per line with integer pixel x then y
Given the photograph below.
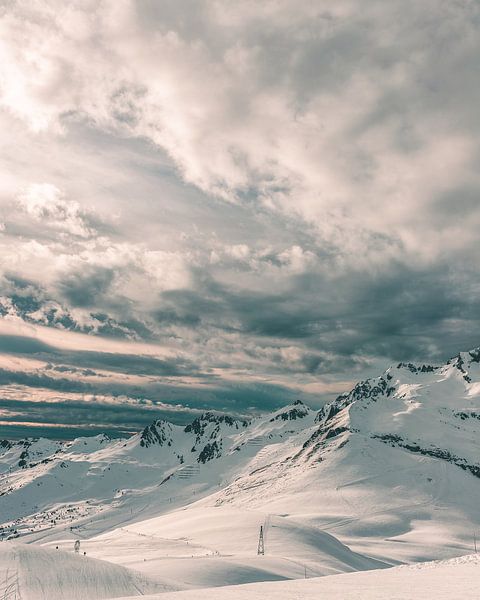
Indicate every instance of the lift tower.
{"type": "Point", "coordinates": [261, 542]}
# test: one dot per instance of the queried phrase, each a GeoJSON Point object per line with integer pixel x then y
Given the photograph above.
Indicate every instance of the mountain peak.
{"type": "Point", "coordinates": [292, 412]}
{"type": "Point", "coordinates": [157, 433]}
{"type": "Point", "coordinates": [416, 368]}
{"type": "Point", "coordinates": [199, 424]}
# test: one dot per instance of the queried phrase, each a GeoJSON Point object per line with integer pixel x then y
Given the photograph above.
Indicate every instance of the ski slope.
{"type": "Point", "coordinates": [203, 547]}
{"type": "Point", "coordinates": [30, 572]}
{"type": "Point", "coordinates": [440, 581]}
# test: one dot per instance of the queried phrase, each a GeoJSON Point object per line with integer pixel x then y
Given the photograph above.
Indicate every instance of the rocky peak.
{"type": "Point", "coordinates": [463, 361]}
{"type": "Point", "coordinates": [413, 368]}
{"type": "Point", "coordinates": [212, 422]}
{"type": "Point", "coordinates": [368, 390]}
{"type": "Point", "coordinates": [298, 410]}
{"type": "Point", "coordinates": [207, 432]}
{"type": "Point", "coordinates": [157, 433]}
{"type": "Point", "coordinates": [475, 355]}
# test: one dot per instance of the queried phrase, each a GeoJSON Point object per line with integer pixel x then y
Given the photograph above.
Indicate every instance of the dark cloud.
{"type": "Point", "coordinates": [69, 419]}
{"type": "Point", "coordinates": [120, 363]}
{"type": "Point", "coordinates": [40, 380]}
{"type": "Point", "coordinates": [456, 205]}
{"type": "Point", "coordinates": [74, 370]}
{"type": "Point", "coordinates": [122, 414]}
{"type": "Point", "coordinates": [16, 344]}
{"type": "Point", "coordinates": [132, 363]}
{"type": "Point", "coordinates": [396, 313]}
{"type": "Point", "coordinates": [132, 416]}
{"type": "Point", "coordinates": [88, 287]}
{"type": "Point", "coordinates": [29, 301]}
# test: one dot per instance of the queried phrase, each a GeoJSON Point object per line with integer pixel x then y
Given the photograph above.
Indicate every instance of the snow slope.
{"type": "Point", "coordinates": [383, 467]}
{"type": "Point", "coordinates": [447, 580]}
{"type": "Point", "coordinates": [162, 467]}
{"type": "Point", "coordinates": [30, 572]}
{"type": "Point", "coordinates": [203, 547]}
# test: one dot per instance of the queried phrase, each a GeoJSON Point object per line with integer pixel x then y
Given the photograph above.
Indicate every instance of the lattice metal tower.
{"type": "Point", "coordinates": [261, 542]}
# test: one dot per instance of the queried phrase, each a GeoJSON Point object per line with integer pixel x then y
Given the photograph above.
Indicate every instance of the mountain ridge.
{"type": "Point", "coordinates": [414, 429]}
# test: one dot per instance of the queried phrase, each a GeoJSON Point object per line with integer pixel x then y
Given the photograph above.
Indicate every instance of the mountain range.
{"type": "Point", "coordinates": [388, 473]}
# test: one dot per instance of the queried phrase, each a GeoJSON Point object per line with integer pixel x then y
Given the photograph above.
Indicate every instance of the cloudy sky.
{"type": "Point", "coordinates": [230, 205]}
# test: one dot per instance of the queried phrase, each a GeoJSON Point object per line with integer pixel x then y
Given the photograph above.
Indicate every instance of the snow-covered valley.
{"type": "Point", "coordinates": [384, 475]}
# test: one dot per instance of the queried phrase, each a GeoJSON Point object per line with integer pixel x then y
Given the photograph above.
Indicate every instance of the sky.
{"type": "Point", "coordinates": [225, 205]}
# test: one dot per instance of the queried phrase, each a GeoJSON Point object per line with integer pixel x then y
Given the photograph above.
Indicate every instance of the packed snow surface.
{"type": "Point", "coordinates": [30, 572]}
{"type": "Point", "coordinates": [431, 581]}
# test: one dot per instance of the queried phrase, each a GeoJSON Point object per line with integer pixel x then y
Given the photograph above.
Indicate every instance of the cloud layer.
{"type": "Point", "coordinates": [270, 194]}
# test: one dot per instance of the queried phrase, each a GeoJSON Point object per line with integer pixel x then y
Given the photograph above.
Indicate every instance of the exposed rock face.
{"type": "Point", "coordinates": [158, 432]}
{"type": "Point", "coordinates": [210, 451]}
{"type": "Point", "coordinates": [298, 411]}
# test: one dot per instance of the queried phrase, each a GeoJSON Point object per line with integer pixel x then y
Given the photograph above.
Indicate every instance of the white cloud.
{"type": "Point", "coordinates": [45, 203]}
{"type": "Point", "coordinates": [297, 259]}
{"type": "Point", "coordinates": [340, 114]}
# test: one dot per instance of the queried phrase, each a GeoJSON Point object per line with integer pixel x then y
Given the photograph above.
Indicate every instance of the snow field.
{"type": "Point", "coordinates": [458, 579]}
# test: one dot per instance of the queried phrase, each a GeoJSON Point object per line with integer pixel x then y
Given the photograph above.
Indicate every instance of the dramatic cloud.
{"type": "Point", "coordinates": [270, 193]}
{"type": "Point", "coordinates": [45, 204]}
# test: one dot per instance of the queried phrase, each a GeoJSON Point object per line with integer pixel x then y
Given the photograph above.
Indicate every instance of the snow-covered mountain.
{"type": "Point", "coordinates": [387, 473]}
{"type": "Point", "coordinates": [87, 475]}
